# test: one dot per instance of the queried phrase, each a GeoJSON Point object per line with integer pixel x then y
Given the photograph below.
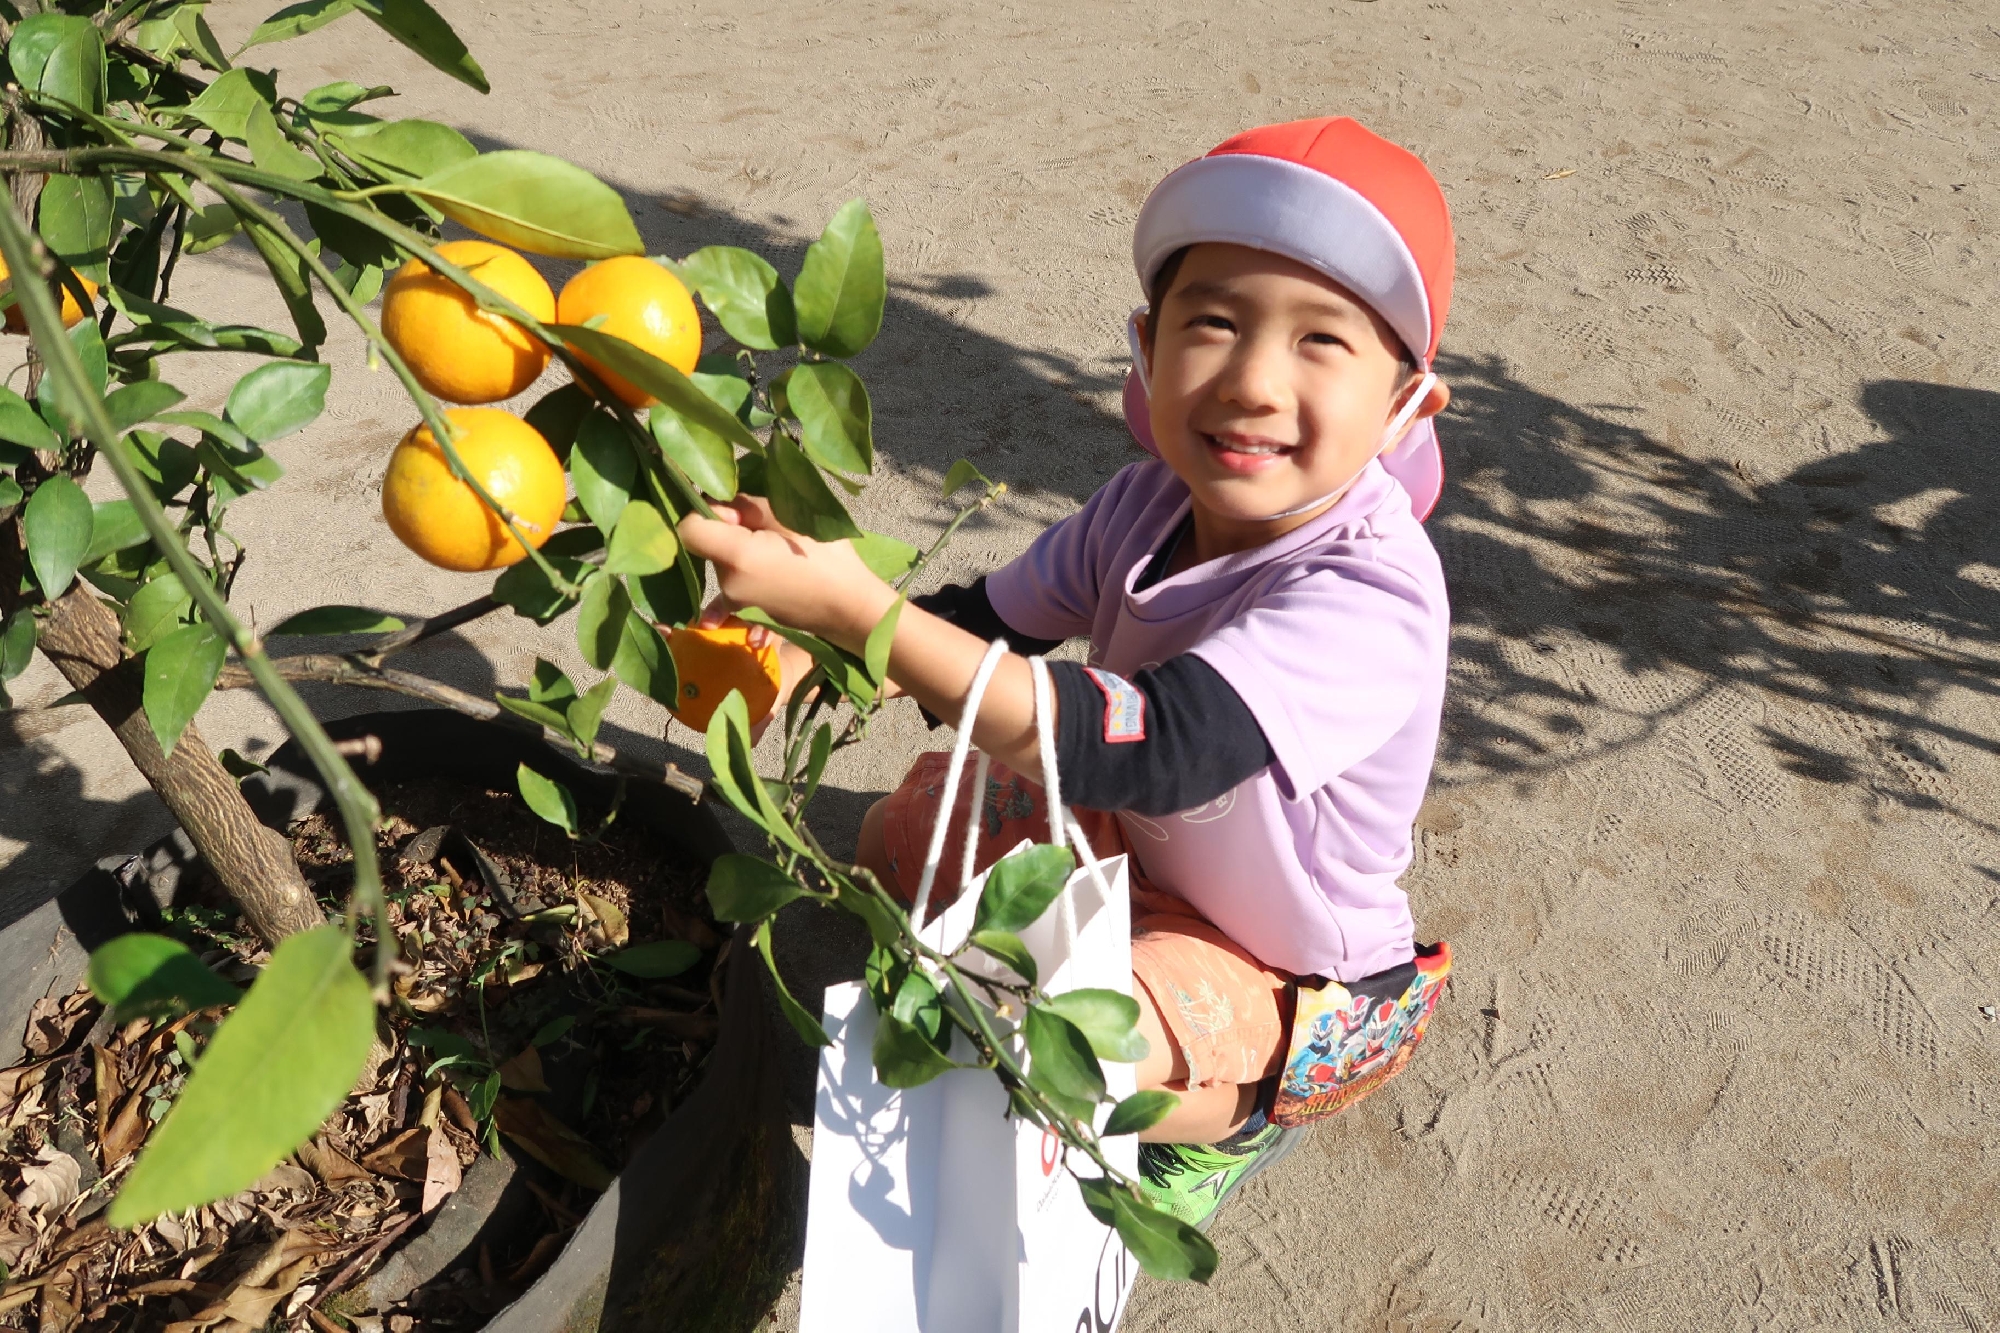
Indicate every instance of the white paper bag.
{"type": "Point", "coordinates": [931, 1209]}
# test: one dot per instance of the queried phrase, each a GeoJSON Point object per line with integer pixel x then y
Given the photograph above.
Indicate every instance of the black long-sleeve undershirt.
{"type": "Point", "coordinates": [1170, 738]}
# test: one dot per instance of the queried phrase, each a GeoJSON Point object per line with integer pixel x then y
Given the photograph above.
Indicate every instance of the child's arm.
{"type": "Point", "coordinates": [824, 589]}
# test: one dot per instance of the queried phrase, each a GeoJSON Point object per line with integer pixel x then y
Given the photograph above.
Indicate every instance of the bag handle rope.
{"type": "Point", "coordinates": [1063, 827]}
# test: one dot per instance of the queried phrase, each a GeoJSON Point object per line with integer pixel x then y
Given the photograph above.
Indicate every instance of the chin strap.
{"type": "Point", "coordinates": [1389, 444]}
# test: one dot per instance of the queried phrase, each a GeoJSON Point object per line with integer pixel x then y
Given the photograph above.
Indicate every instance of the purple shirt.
{"type": "Point", "coordinates": [1335, 635]}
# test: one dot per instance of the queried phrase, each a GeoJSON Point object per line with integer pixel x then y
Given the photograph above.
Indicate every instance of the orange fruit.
{"type": "Point", "coordinates": [712, 662]}
{"type": "Point", "coordinates": [456, 350]}
{"type": "Point", "coordinates": [442, 519]}
{"type": "Point", "coordinates": [72, 313]}
{"type": "Point", "coordinates": [643, 304]}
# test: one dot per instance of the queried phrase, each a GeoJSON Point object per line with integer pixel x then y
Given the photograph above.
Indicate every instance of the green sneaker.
{"type": "Point", "coordinates": [1190, 1180]}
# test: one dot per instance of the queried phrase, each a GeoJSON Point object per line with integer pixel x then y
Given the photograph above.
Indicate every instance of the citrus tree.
{"type": "Point", "coordinates": [133, 142]}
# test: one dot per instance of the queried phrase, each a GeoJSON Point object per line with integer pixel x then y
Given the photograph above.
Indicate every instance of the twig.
{"type": "Point", "coordinates": [367, 1256]}
{"type": "Point", "coordinates": [417, 631]}
{"type": "Point", "coordinates": [330, 669]}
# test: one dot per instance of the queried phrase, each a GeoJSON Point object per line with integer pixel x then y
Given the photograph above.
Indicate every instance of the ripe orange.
{"type": "Point", "coordinates": [72, 313]}
{"type": "Point", "coordinates": [712, 662]}
{"type": "Point", "coordinates": [456, 350]}
{"type": "Point", "coordinates": [441, 519]}
{"type": "Point", "coordinates": [643, 304]}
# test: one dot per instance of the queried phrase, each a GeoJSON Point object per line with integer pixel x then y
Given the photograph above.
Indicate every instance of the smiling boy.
{"type": "Point", "coordinates": [1268, 630]}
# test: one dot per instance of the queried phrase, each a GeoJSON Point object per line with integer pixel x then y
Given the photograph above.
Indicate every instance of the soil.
{"type": "Point", "coordinates": [519, 1026]}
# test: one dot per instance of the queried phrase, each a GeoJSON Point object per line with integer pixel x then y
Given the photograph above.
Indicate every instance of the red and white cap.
{"type": "Point", "coordinates": [1337, 198]}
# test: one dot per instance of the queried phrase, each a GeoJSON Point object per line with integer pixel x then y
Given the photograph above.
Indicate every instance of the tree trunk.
{"type": "Point", "coordinates": [254, 863]}
{"type": "Point", "coordinates": [80, 635]}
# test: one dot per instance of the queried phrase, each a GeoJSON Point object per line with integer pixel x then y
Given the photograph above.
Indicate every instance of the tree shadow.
{"type": "Point", "coordinates": [1861, 586]}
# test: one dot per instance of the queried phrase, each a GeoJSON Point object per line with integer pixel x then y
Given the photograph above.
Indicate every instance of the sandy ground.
{"type": "Point", "coordinates": [1714, 826]}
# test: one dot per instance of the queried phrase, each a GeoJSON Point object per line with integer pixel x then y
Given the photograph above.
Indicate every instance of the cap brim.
{"type": "Point", "coordinates": [1417, 463]}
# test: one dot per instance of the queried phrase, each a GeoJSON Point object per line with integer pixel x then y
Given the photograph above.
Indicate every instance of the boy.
{"type": "Point", "coordinates": [1268, 633]}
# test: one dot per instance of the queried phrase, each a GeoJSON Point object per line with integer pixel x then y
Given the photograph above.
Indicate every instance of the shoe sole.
{"type": "Point", "coordinates": [1288, 1139]}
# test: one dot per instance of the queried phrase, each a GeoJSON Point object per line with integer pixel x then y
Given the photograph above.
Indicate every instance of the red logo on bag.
{"type": "Point", "coordinates": [1051, 1150]}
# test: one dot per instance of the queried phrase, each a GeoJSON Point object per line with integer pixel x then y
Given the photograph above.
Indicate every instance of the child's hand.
{"type": "Point", "coordinates": [819, 587]}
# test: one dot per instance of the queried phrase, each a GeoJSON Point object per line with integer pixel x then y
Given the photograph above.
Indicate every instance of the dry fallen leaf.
{"type": "Point", "coordinates": [331, 1165]}
{"type": "Point", "coordinates": [551, 1142]}
{"type": "Point", "coordinates": [441, 1172]}
{"type": "Point", "coordinates": [460, 1111]}
{"type": "Point", "coordinates": [523, 1073]}
{"type": "Point", "coordinates": [49, 1184]}
{"type": "Point", "coordinates": [126, 1132]}
{"type": "Point", "coordinates": [1558, 175]}
{"type": "Point", "coordinates": [402, 1156]}
{"type": "Point", "coordinates": [21, 1077]}
{"type": "Point", "coordinates": [284, 1176]}
{"type": "Point", "coordinates": [609, 918]}
{"type": "Point", "coordinates": [107, 1087]}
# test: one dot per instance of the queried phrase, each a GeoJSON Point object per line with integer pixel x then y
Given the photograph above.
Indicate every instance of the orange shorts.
{"type": "Point", "coordinates": [1230, 1015]}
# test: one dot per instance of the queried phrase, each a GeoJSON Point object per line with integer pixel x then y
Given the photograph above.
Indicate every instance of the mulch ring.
{"type": "Point", "coordinates": [559, 1001]}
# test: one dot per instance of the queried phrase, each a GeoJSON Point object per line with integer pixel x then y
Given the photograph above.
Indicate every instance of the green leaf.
{"type": "Point", "coordinates": [271, 151]}
{"type": "Point", "coordinates": [296, 21]}
{"type": "Point", "coordinates": [130, 404]}
{"type": "Point", "coordinates": [802, 1022]}
{"type": "Point", "coordinates": [1108, 1020]}
{"type": "Point", "coordinates": [22, 425]}
{"type": "Point", "coordinates": [337, 620]}
{"type": "Point", "coordinates": [193, 27]}
{"type": "Point", "coordinates": [225, 105]}
{"type": "Point", "coordinates": [963, 474]}
{"type": "Point", "coordinates": [917, 1004]}
{"type": "Point", "coordinates": [114, 527]}
{"type": "Point", "coordinates": [816, 757]}
{"type": "Point", "coordinates": [62, 56]}
{"type": "Point", "coordinates": [154, 976]}
{"type": "Point", "coordinates": [881, 639]}
{"type": "Point", "coordinates": [604, 469]}
{"type": "Point", "coordinates": [547, 798]}
{"type": "Point", "coordinates": [210, 227]}
{"type": "Point", "coordinates": [293, 279]}
{"type": "Point", "coordinates": [1097, 1193]}
{"type": "Point", "coordinates": [747, 296]}
{"type": "Point", "coordinates": [168, 465]}
{"type": "Point", "coordinates": [340, 95]}
{"type": "Point", "coordinates": [525, 588]}
{"type": "Point", "coordinates": [274, 400]}
{"type": "Point", "coordinates": [275, 1069]}
{"type": "Point", "coordinates": [398, 149]}
{"type": "Point", "coordinates": [842, 287]}
{"type": "Point", "coordinates": [1166, 1247]}
{"type": "Point", "coordinates": [887, 558]}
{"type": "Point", "coordinates": [76, 213]}
{"type": "Point", "coordinates": [10, 493]}
{"type": "Point", "coordinates": [708, 459]}
{"type": "Point", "coordinates": [644, 663]}
{"type": "Point", "coordinates": [659, 380]}
{"type": "Point", "coordinates": [600, 619]}
{"type": "Point", "coordinates": [181, 667]}
{"type": "Point", "coordinates": [1142, 1110]}
{"type": "Point", "coordinates": [1020, 887]}
{"type": "Point", "coordinates": [540, 714]}
{"type": "Point", "coordinates": [533, 202]}
{"type": "Point", "coordinates": [559, 413]}
{"type": "Point", "coordinates": [419, 27]}
{"type": "Point", "coordinates": [1062, 1059]}
{"type": "Point", "coordinates": [661, 958]}
{"type": "Point", "coordinates": [154, 611]}
{"type": "Point", "coordinates": [551, 685]}
{"type": "Point", "coordinates": [729, 388]}
{"type": "Point", "coordinates": [553, 1030]}
{"type": "Point", "coordinates": [642, 543]}
{"type": "Point", "coordinates": [732, 771]}
{"type": "Point", "coordinates": [588, 711]}
{"type": "Point", "coordinates": [835, 419]}
{"type": "Point", "coordinates": [748, 888]}
{"type": "Point", "coordinates": [1008, 948]}
{"type": "Point", "coordinates": [160, 323]}
{"type": "Point", "coordinates": [799, 495]}
{"type": "Point", "coordinates": [17, 643]}
{"type": "Point", "coordinates": [904, 1056]}
{"type": "Point", "coordinates": [57, 521]}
